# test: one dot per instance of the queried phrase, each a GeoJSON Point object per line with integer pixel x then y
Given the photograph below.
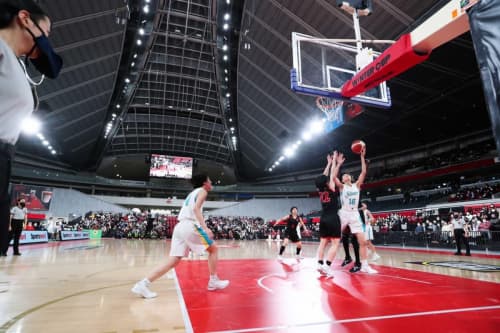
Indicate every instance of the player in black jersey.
{"type": "Point", "coordinates": [293, 221]}
{"type": "Point", "coordinates": [329, 225]}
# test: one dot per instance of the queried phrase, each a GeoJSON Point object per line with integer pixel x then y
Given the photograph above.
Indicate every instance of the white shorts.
{"type": "Point", "coordinates": [351, 219]}
{"type": "Point", "coordinates": [189, 236]}
{"type": "Point", "coordinates": [368, 232]}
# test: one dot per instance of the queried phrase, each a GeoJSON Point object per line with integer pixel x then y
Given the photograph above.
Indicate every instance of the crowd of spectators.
{"type": "Point", "coordinates": [481, 192]}
{"type": "Point", "coordinates": [460, 155]}
{"type": "Point", "coordinates": [238, 227]}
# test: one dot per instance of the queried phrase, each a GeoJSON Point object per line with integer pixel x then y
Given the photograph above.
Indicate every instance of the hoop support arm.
{"type": "Point", "coordinates": [393, 61]}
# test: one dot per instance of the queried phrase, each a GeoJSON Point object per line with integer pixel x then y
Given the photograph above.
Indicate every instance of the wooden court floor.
{"type": "Point", "coordinates": [84, 286]}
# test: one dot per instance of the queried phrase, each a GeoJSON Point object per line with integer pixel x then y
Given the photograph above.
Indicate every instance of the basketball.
{"type": "Point", "coordinates": [357, 146]}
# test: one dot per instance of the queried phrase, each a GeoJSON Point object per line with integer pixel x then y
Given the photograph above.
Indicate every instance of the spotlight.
{"type": "Point", "coordinates": [141, 31]}
{"type": "Point", "coordinates": [225, 26]}
{"type": "Point", "coordinates": [145, 9]}
{"type": "Point", "coordinates": [227, 16]}
{"type": "Point", "coordinates": [139, 42]}
{"type": "Point", "coordinates": [31, 126]}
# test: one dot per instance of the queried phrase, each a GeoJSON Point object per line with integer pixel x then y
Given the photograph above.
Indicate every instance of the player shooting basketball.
{"type": "Point", "coordinates": [349, 198]}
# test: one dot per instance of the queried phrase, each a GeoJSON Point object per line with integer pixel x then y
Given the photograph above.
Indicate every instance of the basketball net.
{"type": "Point", "coordinates": [332, 108]}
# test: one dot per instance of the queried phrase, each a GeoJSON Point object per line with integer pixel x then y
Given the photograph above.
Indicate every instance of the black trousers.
{"type": "Point", "coordinates": [6, 156]}
{"type": "Point", "coordinates": [460, 237]}
{"type": "Point", "coordinates": [16, 228]}
{"type": "Point", "coordinates": [346, 237]}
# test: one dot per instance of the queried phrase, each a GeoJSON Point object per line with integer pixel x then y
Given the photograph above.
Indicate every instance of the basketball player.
{"type": "Point", "coordinates": [369, 219]}
{"type": "Point", "coordinates": [347, 237]}
{"type": "Point", "coordinates": [291, 232]}
{"type": "Point", "coordinates": [349, 198]}
{"type": "Point", "coordinates": [329, 225]}
{"type": "Point", "coordinates": [191, 233]}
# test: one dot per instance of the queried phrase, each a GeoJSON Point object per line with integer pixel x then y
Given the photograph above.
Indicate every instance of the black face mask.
{"type": "Point", "coordinates": [48, 62]}
{"type": "Point", "coordinates": [22, 204]}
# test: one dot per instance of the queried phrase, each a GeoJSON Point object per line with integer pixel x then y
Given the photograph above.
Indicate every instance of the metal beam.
{"type": "Point", "coordinates": [75, 86]}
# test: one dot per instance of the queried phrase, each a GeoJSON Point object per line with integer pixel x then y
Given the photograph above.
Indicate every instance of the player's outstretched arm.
{"type": "Point", "coordinates": [362, 175]}
{"type": "Point", "coordinates": [328, 165]}
{"type": "Point", "coordinates": [340, 160]}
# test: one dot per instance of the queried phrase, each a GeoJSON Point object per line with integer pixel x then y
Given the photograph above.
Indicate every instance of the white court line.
{"type": "Point", "coordinates": [261, 284]}
{"type": "Point", "coordinates": [397, 277]}
{"type": "Point", "coordinates": [182, 303]}
{"type": "Point", "coordinates": [354, 320]}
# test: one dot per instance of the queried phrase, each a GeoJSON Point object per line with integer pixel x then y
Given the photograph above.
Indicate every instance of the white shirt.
{"type": "Point", "coordinates": [18, 213]}
{"type": "Point", "coordinates": [16, 100]}
{"type": "Point", "coordinates": [187, 210]}
{"type": "Point", "coordinates": [458, 224]}
{"type": "Point", "coordinates": [349, 197]}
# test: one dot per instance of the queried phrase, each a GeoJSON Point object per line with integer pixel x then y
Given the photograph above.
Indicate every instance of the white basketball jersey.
{"type": "Point", "coordinates": [187, 210]}
{"type": "Point", "coordinates": [349, 197]}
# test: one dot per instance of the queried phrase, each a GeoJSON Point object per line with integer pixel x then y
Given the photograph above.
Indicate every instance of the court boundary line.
{"type": "Point", "coordinates": [185, 315]}
{"type": "Point", "coordinates": [354, 320]}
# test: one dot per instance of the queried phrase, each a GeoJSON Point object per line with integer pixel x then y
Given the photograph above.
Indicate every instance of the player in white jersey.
{"type": "Point", "coordinates": [191, 233]}
{"type": "Point", "coordinates": [369, 219]}
{"type": "Point", "coordinates": [349, 214]}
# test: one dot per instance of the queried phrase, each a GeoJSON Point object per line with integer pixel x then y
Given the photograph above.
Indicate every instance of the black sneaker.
{"type": "Point", "coordinates": [458, 253]}
{"type": "Point", "coordinates": [467, 254]}
{"type": "Point", "coordinates": [355, 269]}
{"type": "Point", "coordinates": [346, 262]}
{"type": "Point", "coordinates": [17, 254]}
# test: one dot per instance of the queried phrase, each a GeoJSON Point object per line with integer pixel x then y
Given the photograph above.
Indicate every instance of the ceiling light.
{"type": "Point", "coordinates": [225, 26]}
{"type": "Point", "coordinates": [170, 107]}
{"type": "Point", "coordinates": [316, 126]}
{"type": "Point", "coordinates": [225, 71]}
{"type": "Point", "coordinates": [145, 9]}
{"type": "Point", "coordinates": [230, 120]}
{"type": "Point", "coordinates": [53, 152]}
{"type": "Point", "coordinates": [224, 47]}
{"type": "Point", "coordinates": [281, 158]}
{"type": "Point", "coordinates": [147, 1]}
{"type": "Point", "coordinates": [135, 55]}
{"type": "Point", "coordinates": [228, 95]}
{"type": "Point", "coordinates": [306, 135]}
{"type": "Point", "coordinates": [132, 64]}
{"type": "Point", "coordinates": [189, 109]}
{"type": "Point", "coordinates": [45, 142]}
{"type": "Point", "coordinates": [225, 57]}
{"type": "Point", "coordinates": [226, 79]}
{"type": "Point", "coordinates": [141, 32]}
{"type": "Point", "coordinates": [117, 106]}
{"type": "Point", "coordinates": [127, 80]}
{"type": "Point", "coordinates": [270, 169]}
{"type": "Point", "coordinates": [139, 42]}
{"type": "Point", "coordinates": [31, 126]}
{"type": "Point", "coordinates": [227, 16]}
{"type": "Point", "coordinates": [289, 151]}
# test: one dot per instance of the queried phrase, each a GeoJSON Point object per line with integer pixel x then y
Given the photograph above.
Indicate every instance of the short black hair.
{"type": "Point", "coordinates": [10, 8]}
{"type": "Point", "coordinates": [320, 182]}
{"type": "Point", "coordinates": [293, 208]}
{"type": "Point", "coordinates": [198, 180]}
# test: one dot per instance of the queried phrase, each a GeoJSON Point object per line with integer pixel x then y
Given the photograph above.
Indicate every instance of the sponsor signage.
{"type": "Point", "coordinates": [464, 265]}
{"type": "Point", "coordinates": [29, 237]}
{"type": "Point", "coordinates": [72, 235]}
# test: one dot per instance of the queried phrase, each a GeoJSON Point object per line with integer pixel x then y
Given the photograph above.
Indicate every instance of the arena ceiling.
{"type": "Point", "coordinates": [173, 97]}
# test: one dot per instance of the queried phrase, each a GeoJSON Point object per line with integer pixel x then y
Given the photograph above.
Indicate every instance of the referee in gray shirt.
{"type": "Point", "coordinates": [24, 28]}
{"type": "Point", "coordinates": [461, 232]}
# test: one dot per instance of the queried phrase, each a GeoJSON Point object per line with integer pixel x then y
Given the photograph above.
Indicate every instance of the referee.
{"type": "Point", "coordinates": [461, 232]}
{"type": "Point", "coordinates": [18, 220]}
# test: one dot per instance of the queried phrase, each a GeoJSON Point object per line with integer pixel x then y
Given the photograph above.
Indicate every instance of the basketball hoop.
{"type": "Point", "coordinates": [332, 108]}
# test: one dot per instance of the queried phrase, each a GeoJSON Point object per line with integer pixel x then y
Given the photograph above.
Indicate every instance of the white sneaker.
{"type": "Point", "coordinates": [215, 284]}
{"type": "Point", "coordinates": [280, 258]}
{"type": "Point", "coordinates": [375, 257]}
{"type": "Point", "coordinates": [321, 269]}
{"type": "Point", "coordinates": [367, 269]}
{"type": "Point", "coordinates": [140, 288]}
{"type": "Point", "coordinates": [299, 257]}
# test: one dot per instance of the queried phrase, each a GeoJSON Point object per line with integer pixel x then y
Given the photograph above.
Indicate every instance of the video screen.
{"type": "Point", "coordinates": [164, 166]}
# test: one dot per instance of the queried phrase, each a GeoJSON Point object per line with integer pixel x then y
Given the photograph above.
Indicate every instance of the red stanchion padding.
{"type": "Point", "coordinates": [399, 57]}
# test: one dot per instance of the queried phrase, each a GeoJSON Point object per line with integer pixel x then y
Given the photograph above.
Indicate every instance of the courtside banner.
{"type": "Point", "coordinates": [95, 234]}
{"type": "Point", "coordinates": [72, 235]}
{"type": "Point", "coordinates": [29, 237]}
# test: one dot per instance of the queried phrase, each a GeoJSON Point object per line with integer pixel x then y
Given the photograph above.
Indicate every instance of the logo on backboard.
{"type": "Point", "coordinates": [468, 266]}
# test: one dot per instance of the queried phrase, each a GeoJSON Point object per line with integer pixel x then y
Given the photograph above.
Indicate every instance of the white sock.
{"type": "Point", "coordinates": [364, 263]}
{"type": "Point", "coordinates": [213, 277]}
{"type": "Point", "coordinates": [146, 281]}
